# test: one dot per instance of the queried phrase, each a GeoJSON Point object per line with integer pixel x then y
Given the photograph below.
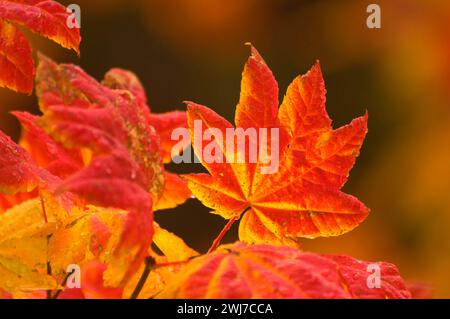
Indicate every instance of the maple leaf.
{"type": "Point", "coordinates": [126, 120]}
{"type": "Point", "coordinates": [420, 290]}
{"type": "Point", "coordinates": [23, 248]}
{"type": "Point", "coordinates": [30, 214]}
{"type": "Point", "coordinates": [89, 234]}
{"type": "Point", "coordinates": [265, 271]}
{"type": "Point", "coordinates": [45, 229]}
{"type": "Point", "coordinates": [302, 198]}
{"type": "Point", "coordinates": [79, 112]}
{"type": "Point", "coordinates": [105, 183]}
{"type": "Point", "coordinates": [100, 232]}
{"type": "Point", "coordinates": [92, 284]}
{"type": "Point", "coordinates": [125, 170]}
{"type": "Point", "coordinates": [113, 121]}
{"type": "Point", "coordinates": [95, 234]}
{"type": "Point", "coordinates": [21, 179]}
{"type": "Point", "coordinates": [8, 201]}
{"type": "Point", "coordinates": [45, 151]}
{"type": "Point", "coordinates": [172, 246]}
{"type": "Point", "coordinates": [174, 251]}
{"type": "Point", "coordinates": [163, 123]}
{"type": "Point", "coordinates": [175, 190]}
{"type": "Point", "coordinates": [17, 170]}
{"type": "Point", "coordinates": [47, 18]}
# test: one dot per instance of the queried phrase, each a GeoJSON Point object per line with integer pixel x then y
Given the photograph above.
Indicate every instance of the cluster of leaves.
{"type": "Point", "coordinates": [47, 18]}
{"type": "Point", "coordinates": [82, 187]}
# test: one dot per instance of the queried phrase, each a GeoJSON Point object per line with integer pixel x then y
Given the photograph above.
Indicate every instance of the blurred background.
{"type": "Point", "coordinates": [194, 50]}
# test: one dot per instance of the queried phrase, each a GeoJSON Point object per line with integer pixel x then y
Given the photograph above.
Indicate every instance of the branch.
{"type": "Point", "coordinates": [149, 265]}
{"type": "Point", "coordinates": [56, 295]}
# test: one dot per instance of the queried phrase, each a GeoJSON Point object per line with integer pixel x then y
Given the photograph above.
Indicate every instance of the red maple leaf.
{"type": "Point", "coordinates": [265, 271]}
{"type": "Point", "coordinates": [47, 18]}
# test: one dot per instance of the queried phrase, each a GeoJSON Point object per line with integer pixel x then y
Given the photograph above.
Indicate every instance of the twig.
{"type": "Point", "coordinates": [149, 265]}
{"type": "Point", "coordinates": [49, 268]}
{"type": "Point", "coordinates": [64, 283]}
{"type": "Point", "coordinates": [49, 272]}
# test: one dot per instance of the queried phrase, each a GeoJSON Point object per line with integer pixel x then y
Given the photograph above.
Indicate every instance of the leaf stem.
{"type": "Point", "coordinates": [225, 230]}
{"type": "Point", "coordinates": [56, 295]}
{"type": "Point", "coordinates": [44, 211]}
{"type": "Point", "coordinates": [149, 265]}
{"type": "Point", "coordinates": [49, 265]}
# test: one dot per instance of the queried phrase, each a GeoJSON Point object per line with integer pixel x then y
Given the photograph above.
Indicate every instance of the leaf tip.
{"type": "Point", "coordinates": [44, 60]}
{"type": "Point", "coordinates": [316, 68]}
{"type": "Point", "coordinates": [366, 115]}
{"type": "Point", "coordinates": [254, 54]}
{"type": "Point", "coordinates": [192, 106]}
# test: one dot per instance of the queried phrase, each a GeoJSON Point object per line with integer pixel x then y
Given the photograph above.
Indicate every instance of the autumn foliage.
{"type": "Point", "coordinates": [82, 185]}
{"type": "Point", "coordinates": [46, 18]}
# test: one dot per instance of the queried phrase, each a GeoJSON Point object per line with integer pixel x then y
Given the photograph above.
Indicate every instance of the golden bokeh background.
{"type": "Point", "coordinates": [194, 50]}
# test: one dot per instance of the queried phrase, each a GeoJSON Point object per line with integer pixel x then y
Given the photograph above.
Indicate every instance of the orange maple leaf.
{"type": "Point", "coordinates": [302, 198]}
